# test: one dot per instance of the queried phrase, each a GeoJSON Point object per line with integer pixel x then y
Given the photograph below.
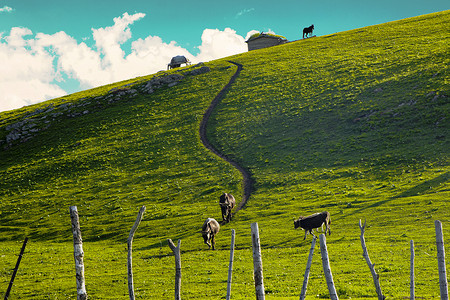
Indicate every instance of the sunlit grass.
{"type": "Point", "coordinates": [355, 123]}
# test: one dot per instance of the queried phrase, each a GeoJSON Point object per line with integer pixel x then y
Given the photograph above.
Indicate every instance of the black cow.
{"type": "Point", "coordinates": [314, 221]}
{"type": "Point", "coordinates": [308, 30]}
{"type": "Point", "coordinates": [227, 203]}
{"type": "Point", "coordinates": [209, 230]}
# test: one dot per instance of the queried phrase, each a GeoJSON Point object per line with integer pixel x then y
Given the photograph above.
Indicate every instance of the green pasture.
{"type": "Point", "coordinates": [355, 123]}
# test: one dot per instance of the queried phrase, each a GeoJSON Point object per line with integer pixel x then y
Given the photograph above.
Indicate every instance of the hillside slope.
{"type": "Point", "coordinates": [355, 123]}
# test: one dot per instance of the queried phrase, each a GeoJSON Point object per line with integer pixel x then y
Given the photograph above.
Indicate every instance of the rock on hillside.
{"type": "Point", "coordinates": [41, 118]}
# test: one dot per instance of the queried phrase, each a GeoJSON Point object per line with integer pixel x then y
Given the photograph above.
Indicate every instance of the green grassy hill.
{"type": "Point", "coordinates": [355, 123]}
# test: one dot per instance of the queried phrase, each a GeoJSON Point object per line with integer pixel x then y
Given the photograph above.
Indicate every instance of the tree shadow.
{"type": "Point", "coordinates": [415, 191]}
{"type": "Point", "coordinates": [423, 187]}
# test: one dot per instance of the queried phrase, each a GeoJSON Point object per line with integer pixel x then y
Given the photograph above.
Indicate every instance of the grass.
{"type": "Point", "coordinates": [255, 35]}
{"type": "Point", "coordinates": [354, 123]}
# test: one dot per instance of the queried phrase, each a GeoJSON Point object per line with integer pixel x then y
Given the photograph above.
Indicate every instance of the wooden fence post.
{"type": "Point", "coordinates": [308, 267]}
{"type": "Point", "coordinates": [375, 276]}
{"type": "Point", "coordinates": [257, 263]}
{"type": "Point", "coordinates": [412, 285]}
{"type": "Point", "coordinates": [130, 257]}
{"type": "Point", "coordinates": [230, 268]}
{"type": "Point", "coordinates": [16, 268]}
{"type": "Point", "coordinates": [441, 260]}
{"type": "Point", "coordinates": [326, 267]}
{"type": "Point", "coordinates": [176, 252]}
{"type": "Point", "coordinates": [78, 254]}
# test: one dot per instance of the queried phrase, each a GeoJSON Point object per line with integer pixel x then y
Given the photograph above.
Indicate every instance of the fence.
{"type": "Point", "coordinates": [257, 262]}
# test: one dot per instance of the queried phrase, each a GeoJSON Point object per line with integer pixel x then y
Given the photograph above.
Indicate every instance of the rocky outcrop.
{"type": "Point", "coordinates": [199, 71]}
{"type": "Point", "coordinates": [41, 118]}
{"type": "Point", "coordinates": [159, 82]}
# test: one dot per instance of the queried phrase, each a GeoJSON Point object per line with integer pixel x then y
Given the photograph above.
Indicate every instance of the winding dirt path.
{"type": "Point", "coordinates": [247, 179]}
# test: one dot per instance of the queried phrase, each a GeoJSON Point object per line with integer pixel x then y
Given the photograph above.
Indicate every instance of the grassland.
{"type": "Point", "coordinates": [355, 123]}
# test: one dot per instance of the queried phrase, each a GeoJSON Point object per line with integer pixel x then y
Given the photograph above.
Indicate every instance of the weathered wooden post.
{"type": "Point", "coordinates": [375, 276]}
{"type": "Point", "coordinates": [16, 268]}
{"type": "Point", "coordinates": [130, 249]}
{"type": "Point", "coordinates": [326, 267]}
{"type": "Point", "coordinates": [257, 263]}
{"type": "Point", "coordinates": [78, 254]}
{"type": "Point", "coordinates": [176, 252]}
{"type": "Point", "coordinates": [441, 260]}
{"type": "Point", "coordinates": [412, 285]}
{"type": "Point", "coordinates": [230, 268]}
{"type": "Point", "coordinates": [308, 268]}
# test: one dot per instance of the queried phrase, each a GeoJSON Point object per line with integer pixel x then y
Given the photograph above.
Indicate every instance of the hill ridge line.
{"type": "Point", "coordinates": [247, 179]}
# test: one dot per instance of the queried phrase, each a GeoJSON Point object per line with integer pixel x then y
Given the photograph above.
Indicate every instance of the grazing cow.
{"type": "Point", "coordinates": [308, 30]}
{"type": "Point", "coordinates": [227, 203]}
{"type": "Point", "coordinates": [209, 230]}
{"type": "Point", "coordinates": [176, 62]}
{"type": "Point", "coordinates": [314, 221]}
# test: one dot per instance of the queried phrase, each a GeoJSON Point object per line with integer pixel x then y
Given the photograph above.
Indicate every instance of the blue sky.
{"type": "Point", "coordinates": [57, 47]}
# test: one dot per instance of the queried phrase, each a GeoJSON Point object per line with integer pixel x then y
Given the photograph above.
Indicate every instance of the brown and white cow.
{"type": "Point", "coordinates": [227, 203]}
{"type": "Point", "coordinates": [209, 230]}
{"type": "Point", "coordinates": [314, 221]}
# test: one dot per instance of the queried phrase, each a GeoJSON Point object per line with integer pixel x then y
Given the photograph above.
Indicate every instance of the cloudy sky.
{"type": "Point", "coordinates": [50, 48]}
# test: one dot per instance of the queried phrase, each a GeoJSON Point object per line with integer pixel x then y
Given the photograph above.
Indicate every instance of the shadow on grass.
{"type": "Point", "coordinates": [415, 191]}
{"type": "Point", "coordinates": [423, 187]}
{"type": "Point", "coordinates": [164, 243]}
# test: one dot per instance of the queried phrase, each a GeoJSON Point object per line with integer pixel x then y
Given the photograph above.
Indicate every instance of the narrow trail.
{"type": "Point", "coordinates": [247, 179]}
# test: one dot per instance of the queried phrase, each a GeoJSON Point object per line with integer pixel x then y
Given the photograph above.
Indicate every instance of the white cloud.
{"type": "Point", "coordinates": [16, 37]}
{"type": "Point", "coordinates": [243, 12]}
{"type": "Point", "coordinates": [6, 9]}
{"type": "Point", "coordinates": [250, 33]}
{"type": "Point", "coordinates": [25, 75]}
{"type": "Point", "coordinates": [77, 61]}
{"type": "Point", "coordinates": [216, 44]}
{"type": "Point", "coordinates": [109, 39]}
{"type": "Point", "coordinates": [36, 65]}
{"type": "Point", "coordinates": [17, 93]}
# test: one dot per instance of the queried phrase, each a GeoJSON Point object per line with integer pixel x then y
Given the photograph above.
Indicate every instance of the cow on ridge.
{"type": "Point", "coordinates": [227, 203]}
{"type": "Point", "coordinates": [209, 230]}
{"type": "Point", "coordinates": [308, 31]}
{"type": "Point", "coordinates": [314, 221]}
